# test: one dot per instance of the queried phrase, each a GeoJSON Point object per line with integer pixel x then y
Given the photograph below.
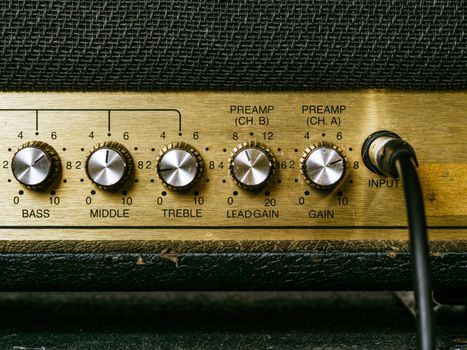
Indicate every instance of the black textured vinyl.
{"type": "Point", "coordinates": [201, 320]}
{"type": "Point", "coordinates": [234, 44]}
{"type": "Point", "coordinates": [225, 271]}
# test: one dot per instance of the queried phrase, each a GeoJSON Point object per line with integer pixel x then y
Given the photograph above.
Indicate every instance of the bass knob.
{"type": "Point", "coordinates": [36, 165]}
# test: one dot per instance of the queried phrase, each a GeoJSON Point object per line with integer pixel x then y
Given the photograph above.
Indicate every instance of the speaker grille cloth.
{"type": "Point", "coordinates": [248, 44]}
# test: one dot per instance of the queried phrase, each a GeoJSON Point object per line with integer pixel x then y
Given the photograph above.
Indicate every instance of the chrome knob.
{"type": "Point", "coordinates": [179, 166]}
{"type": "Point", "coordinates": [323, 165]}
{"type": "Point", "coordinates": [109, 165]}
{"type": "Point", "coordinates": [36, 165]}
{"type": "Point", "coordinates": [251, 165]}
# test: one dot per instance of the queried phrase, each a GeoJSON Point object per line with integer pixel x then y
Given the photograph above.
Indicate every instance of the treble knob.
{"type": "Point", "coordinates": [323, 165]}
{"type": "Point", "coordinates": [179, 166]}
{"type": "Point", "coordinates": [36, 165]}
{"type": "Point", "coordinates": [109, 165]}
{"type": "Point", "coordinates": [251, 165]}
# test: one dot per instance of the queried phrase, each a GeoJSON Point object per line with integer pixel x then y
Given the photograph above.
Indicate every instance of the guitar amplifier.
{"type": "Point", "coordinates": [192, 145]}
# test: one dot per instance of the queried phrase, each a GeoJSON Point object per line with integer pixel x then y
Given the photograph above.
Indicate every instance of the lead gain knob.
{"type": "Point", "coordinates": [36, 165]}
{"type": "Point", "coordinates": [323, 165]}
{"type": "Point", "coordinates": [251, 165]}
{"type": "Point", "coordinates": [179, 166]}
{"type": "Point", "coordinates": [109, 165]}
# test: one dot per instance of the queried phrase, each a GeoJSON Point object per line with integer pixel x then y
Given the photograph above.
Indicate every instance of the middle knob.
{"type": "Point", "coordinates": [109, 165]}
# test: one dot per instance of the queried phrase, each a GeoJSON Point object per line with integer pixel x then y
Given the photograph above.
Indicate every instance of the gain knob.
{"type": "Point", "coordinates": [109, 165]}
{"type": "Point", "coordinates": [36, 165]}
{"type": "Point", "coordinates": [323, 165]}
{"type": "Point", "coordinates": [179, 166]}
{"type": "Point", "coordinates": [251, 165]}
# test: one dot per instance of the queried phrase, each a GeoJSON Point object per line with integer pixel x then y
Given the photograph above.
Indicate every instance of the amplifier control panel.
{"type": "Point", "coordinates": [212, 161]}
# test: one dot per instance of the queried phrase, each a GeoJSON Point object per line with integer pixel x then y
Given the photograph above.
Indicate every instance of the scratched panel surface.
{"type": "Point", "coordinates": [214, 123]}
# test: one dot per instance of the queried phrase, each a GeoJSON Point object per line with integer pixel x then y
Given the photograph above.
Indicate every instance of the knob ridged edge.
{"type": "Point", "coordinates": [190, 149]}
{"type": "Point", "coordinates": [260, 146]}
{"type": "Point", "coordinates": [308, 150]}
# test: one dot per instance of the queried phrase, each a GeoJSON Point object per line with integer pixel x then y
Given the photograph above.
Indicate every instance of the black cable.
{"type": "Point", "coordinates": [385, 153]}
{"type": "Point", "coordinates": [419, 250]}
